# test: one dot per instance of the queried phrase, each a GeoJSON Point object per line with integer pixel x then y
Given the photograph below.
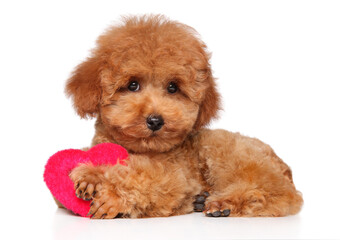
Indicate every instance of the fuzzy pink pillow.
{"type": "Point", "coordinates": [59, 166]}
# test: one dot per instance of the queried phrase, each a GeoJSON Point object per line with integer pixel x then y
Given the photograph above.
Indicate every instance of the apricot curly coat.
{"type": "Point", "coordinates": [169, 167]}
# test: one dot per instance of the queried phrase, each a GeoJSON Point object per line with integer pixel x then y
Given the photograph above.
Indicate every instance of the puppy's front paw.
{"type": "Point", "coordinates": [87, 181]}
{"type": "Point", "coordinates": [107, 205]}
{"type": "Point", "coordinates": [86, 190]}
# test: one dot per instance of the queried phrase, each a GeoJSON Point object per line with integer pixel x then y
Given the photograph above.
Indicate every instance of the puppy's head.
{"type": "Point", "coordinates": [149, 82]}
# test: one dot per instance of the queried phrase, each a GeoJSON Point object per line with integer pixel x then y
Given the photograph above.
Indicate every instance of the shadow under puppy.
{"type": "Point", "coordinates": [149, 84]}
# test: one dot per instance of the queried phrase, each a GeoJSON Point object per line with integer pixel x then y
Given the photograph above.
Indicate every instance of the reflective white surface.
{"type": "Point", "coordinates": [60, 224]}
{"type": "Point", "coordinates": [191, 226]}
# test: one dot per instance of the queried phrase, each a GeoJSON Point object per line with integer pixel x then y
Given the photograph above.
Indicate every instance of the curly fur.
{"type": "Point", "coordinates": [167, 168]}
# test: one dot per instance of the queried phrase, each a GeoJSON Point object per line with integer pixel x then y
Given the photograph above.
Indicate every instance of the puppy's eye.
{"type": "Point", "coordinates": [172, 87]}
{"type": "Point", "coordinates": [133, 86]}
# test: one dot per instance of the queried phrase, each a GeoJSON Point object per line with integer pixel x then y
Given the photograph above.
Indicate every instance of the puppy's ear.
{"type": "Point", "coordinates": [84, 87]}
{"type": "Point", "coordinates": [210, 104]}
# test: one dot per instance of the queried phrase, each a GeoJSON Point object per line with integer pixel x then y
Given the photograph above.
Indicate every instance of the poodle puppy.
{"type": "Point", "coordinates": [150, 86]}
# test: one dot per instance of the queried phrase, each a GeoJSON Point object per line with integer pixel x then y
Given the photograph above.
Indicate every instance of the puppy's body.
{"type": "Point", "coordinates": [150, 85]}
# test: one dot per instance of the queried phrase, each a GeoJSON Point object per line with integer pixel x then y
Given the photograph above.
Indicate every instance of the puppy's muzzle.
{"type": "Point", "coordinates": [154, 122]}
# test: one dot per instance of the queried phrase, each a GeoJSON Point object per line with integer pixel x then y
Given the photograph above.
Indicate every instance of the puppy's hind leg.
{"type": "Point", "coordinates": [252, 189]}
{"type": "Point", "coordinates": [245, 178]}
{"type": "Point", "coordinates": [244, 200]}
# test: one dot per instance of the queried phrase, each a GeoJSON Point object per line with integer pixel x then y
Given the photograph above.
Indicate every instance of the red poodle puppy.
{"type": "Point", "coordinates": [150, 86]}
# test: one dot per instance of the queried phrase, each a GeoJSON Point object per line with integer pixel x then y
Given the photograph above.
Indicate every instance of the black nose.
{"type": "Point", "coordinates": [154, 122]}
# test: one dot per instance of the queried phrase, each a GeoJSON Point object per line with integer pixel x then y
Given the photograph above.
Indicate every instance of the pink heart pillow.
{"type": "Point", "coordinates": [59, 166]}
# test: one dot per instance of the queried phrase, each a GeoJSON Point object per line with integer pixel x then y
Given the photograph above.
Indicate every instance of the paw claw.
{"type": "Point", "coordinates": [198, 207]}
{"type": "Point", "coordinates": [200, 199]}
{"type": "Point", "coordinates": [226, 212]}
{"type": "Point", "coordinates": [216, 214]}
{"type": "Point", "coordinates": [206, 194]}
{"type": "Point", "coordinates": [87, 197]}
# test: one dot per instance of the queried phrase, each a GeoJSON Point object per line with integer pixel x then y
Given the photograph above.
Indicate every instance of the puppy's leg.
{"type": "Point", "coordinates": [255, 195]}
{"type": "Point", "coordinates": [87, 180]}
{"type": "Point", "coordinates": [144, 188]}
{"type": "Point", "coordinates": [245, 177]}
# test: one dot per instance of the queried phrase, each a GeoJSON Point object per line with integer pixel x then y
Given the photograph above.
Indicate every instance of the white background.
{"type": "Point", "coordinates": [278, 70]}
